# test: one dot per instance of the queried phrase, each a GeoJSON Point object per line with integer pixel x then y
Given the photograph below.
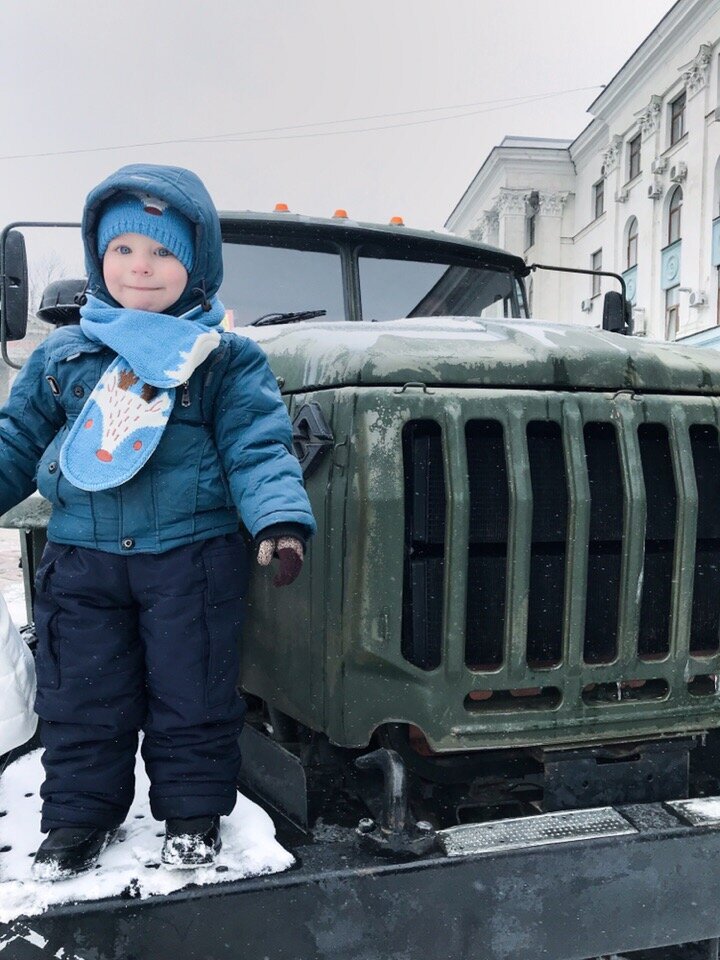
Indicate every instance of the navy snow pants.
{"type": "Point", "coordinates": [147, 642]}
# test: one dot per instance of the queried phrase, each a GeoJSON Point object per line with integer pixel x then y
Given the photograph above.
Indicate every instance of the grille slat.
{"type": "Point", "coordinates": [578, 538]}
{"type": "Point", "coordinates": [633, 540]}
{"type": "Point", "coordinates": [681, 593]}
{"type": "Point", "coordinates": [457, 546]}
{"type": "Point", "coordinates": [519, 546]}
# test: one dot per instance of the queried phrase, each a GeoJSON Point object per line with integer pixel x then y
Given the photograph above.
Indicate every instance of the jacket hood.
{"type": "Point", "coordinates": [184, 191]}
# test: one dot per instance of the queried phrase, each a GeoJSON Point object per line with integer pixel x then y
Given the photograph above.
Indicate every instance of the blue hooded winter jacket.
{"type": "Point", "coordinates": [227, 448]}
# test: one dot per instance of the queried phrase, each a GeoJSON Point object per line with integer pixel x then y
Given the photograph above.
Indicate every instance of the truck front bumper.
{"type": "Point", "coordinates": [655, 886]}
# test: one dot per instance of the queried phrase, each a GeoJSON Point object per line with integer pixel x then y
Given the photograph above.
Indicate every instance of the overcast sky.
{"type": "Point", "coordinates": [82, 74]}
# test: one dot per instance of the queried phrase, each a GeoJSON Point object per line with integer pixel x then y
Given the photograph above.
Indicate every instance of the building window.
{"type": "Point", "coordinates": [531, 211]}
{"type": "Point", "coordinates": [596, 264]}
{"type": "Point", "coordinates": [717, 313]}
{"type": "Point", "coordinates": [677, 119]}
{"type": "Point", "coordinates": [634, 157]}
{"type": "Point", "coordinates": [631, 247]}
{"type": "Point", "coordinates": [672, 312]}
{"type": "Point", "coordinates": [598, 198]}
{"type": "Point", "coordinates": [530, 231]}
{"type": "Point", "coordinates": [533, 204]}
{"type": "Point", "coordinates": [674, 215]}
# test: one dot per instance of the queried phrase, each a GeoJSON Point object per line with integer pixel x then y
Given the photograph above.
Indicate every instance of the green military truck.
{"type": "Point", "coordinates": [485, 718]}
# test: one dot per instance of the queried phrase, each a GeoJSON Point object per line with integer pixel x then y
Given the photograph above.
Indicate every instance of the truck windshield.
{"type": "Point", "coordinates": [276, 274]}
{"type": "Point", "coordinates": [262, 279]}
{"type": "Point", "coordinates": [395, 288]}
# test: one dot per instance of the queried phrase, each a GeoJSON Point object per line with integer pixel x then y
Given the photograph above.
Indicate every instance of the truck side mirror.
{"type": "Point", "coordinates": [617, 313]}
{"type": "Point", "coordinates": [14, 290]}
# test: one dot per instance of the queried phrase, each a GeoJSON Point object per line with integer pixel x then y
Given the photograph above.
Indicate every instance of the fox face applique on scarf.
{"type": "Point", "coordinates": [118, 429]}
{"type": "Point", "coordinates": [125, 415]}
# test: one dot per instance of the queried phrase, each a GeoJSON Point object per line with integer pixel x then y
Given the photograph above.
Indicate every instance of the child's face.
{"type": "Point", "coordinates": [142, 274]}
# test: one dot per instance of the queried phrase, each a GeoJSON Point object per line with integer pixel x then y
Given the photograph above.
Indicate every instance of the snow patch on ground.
{"type": "Point", "coordinates": [130, 863]}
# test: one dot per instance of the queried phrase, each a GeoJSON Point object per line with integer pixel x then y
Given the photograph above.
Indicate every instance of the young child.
{"type": "Point", "coordinates": [148, 430]}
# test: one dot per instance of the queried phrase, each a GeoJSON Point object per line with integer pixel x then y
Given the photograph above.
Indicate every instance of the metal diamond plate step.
{"type": "Point", "coordinates": [698, 813]}
{"type": "Point", "coordinates": [536, 831]}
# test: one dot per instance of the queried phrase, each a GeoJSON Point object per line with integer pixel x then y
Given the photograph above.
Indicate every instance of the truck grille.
{"type": "Point", "coordinates": [590, 532]}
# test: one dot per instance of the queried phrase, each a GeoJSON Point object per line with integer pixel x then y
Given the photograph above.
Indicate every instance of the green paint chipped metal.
{"type": "Point", "coordinates": [482, 353]}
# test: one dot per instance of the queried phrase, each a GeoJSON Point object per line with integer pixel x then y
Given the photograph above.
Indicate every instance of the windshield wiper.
{"type": "Point", "coordinates": [269, 319]}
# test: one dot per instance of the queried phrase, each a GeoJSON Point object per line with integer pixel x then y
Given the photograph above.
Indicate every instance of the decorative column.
{"type": "Point", "coordinates": [512, 209]}
{"type": "Point", "coordinates": [649, 123]}
{"type": "Point", "coordinates": [611, 171]}
{"type": "Point", "coordinates": [651, 222]}
{"type": "Point", "coordinates": [547, 285]}
{"type": "Point", "coordinates": [696, 211]}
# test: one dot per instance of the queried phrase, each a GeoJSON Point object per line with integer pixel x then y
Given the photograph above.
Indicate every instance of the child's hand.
{"type": "Point", "coordinates": [289, 551]}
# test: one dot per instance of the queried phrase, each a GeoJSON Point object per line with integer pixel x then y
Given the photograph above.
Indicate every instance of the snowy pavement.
{"type": "Point", "coordinates": [132, 863]}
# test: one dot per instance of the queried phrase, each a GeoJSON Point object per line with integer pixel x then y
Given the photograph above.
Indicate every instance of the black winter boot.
{"type": "Point", "coordinates": [67, 851]}
{"type": "Point", "coordinates": [194, 842]}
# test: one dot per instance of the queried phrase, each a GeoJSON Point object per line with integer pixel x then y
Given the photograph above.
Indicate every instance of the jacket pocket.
{"type": "Point", "coordinates": [213, 489]}
{"type": "Point", "coordinates": [47, 661]}
{"type": "Point", "coordinates": [174, 466]}
{"type": "Point", "coordinates": [226, 571]}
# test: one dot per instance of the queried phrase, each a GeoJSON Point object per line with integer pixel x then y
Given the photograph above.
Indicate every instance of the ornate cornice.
{"type": "Point", "coordinates": [515, 203]}
{"type": "Point", "coordinates": [649, 116]}
{"type": "Point", "coordinates": [611, 156]}
{"type": "Point", "coordinates": [511, 202]}
{"type": "Point", "coordinates": [551, 204]}
{"type": "Point", "coordinates": [696, 73]}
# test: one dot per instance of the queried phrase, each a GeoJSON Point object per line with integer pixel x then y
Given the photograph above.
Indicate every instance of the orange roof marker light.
{"type": "Point", "coordinates": [281, 208]}
{"type": "Point", "coordinates": [397, 222]}
{"type": "Point", "coordinates": [340, 214]}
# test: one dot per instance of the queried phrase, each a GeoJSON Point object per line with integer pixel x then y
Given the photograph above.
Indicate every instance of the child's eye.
{"type": "Point", "coordinates": [163, 252]}
{"type": "Point", "coordinates": [123, 248]}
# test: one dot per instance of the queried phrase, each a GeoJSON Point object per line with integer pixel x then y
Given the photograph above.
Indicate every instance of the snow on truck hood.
{"type": "Point", "coordinates": [467, 351]}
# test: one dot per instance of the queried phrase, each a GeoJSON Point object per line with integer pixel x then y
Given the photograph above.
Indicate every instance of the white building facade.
{"type": "Point", "coordinates": [637, 192]}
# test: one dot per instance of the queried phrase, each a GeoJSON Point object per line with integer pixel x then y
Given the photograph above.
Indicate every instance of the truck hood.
{"type": "Point", "coordinates": [466, 351]}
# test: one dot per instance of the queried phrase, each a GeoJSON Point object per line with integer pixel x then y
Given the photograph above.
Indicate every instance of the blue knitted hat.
{"type": "Point", "coordinates": [139, 212]}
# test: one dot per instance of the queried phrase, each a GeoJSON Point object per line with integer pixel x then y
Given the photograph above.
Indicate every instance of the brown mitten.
{"type": "Point", "coordinates": [289, 551]}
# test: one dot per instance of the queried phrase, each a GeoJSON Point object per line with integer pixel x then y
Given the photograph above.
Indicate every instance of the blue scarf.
{"type": "Point", "coordinates": [124, 417]}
